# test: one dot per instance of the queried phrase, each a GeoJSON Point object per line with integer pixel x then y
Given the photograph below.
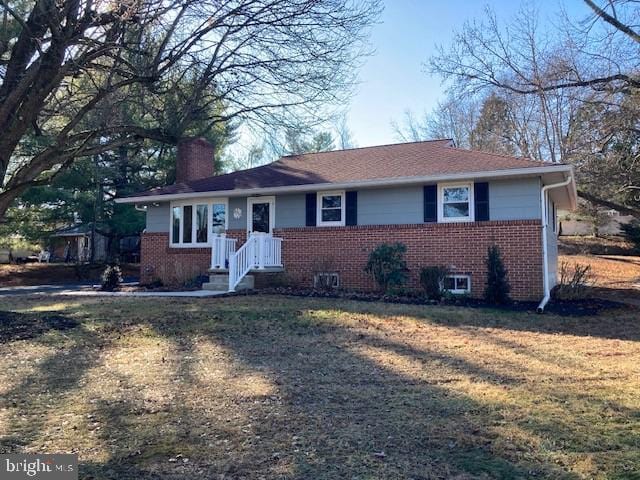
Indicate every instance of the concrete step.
{"type": "Point", "coordinates": [213, 271]}
{"type": "Point", "coordinates": [220, 282]}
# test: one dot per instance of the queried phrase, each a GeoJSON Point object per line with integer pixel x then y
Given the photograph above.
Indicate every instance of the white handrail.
{"type": "Point", "coordinates": [241, 262]}
{"type": "Point", "coordinates": [259, 252]}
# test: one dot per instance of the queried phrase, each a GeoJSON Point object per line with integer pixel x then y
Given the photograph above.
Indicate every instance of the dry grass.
{"type": "Point", "coordinates": [616, 277]}
{"type": "Point", "coordinates": [586, 245]}
{"type": "Point", "coordinates": [274, 387]}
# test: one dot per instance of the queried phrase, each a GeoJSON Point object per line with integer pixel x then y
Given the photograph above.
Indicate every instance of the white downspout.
{"type": "Point", "coordinates": [545, 253]}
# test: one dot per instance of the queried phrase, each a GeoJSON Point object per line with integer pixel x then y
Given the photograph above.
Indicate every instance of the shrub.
{"type": "Point", "coordinates": [387, 265]}
{"type": "Point", "coordinates": [431, 279]}
{"type": "Point", "coordinates": [631, 230]}
{"type": "Point", "coordinates": [497, 289]}
{"type": "Point", "coordinates": [111, 278]}
{"type": "Point", "coordinates": [573, 281]}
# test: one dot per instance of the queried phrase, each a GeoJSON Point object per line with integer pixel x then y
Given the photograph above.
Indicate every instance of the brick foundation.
{"type": "Point", "coordinates": [174, 266]}
{"type": "Point", "coordinates": [461, 246]}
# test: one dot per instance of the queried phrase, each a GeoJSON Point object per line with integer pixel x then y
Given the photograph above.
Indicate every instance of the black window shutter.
{"type": "Point", "coordinates": [311, 209]}
{"type": "Point", "coordinates": [481, 197]}
{"type": "Point", "coordinates": [430, 203]}
{"type": "Point", "coordinates": [351, 208]}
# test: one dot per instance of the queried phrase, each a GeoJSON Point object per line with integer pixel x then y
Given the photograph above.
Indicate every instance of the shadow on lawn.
{"type": "Point", "coordinates": [52, 384]}
{"type": "Point", "coordinates": [336, 412]}
{"type": "Point", "coordinates": [21, 326]}
{"type": "Point", "coordinates": [623, 324]}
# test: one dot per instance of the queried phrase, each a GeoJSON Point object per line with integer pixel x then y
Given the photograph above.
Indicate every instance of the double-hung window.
{"type": "Point", "coordinates": [455, 202]}
{"type": "Point", "coordinates": [193, 223]}
{"type": "Point", "coordinates": [331, 208]}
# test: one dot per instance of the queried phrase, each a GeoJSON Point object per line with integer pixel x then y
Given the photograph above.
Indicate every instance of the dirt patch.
{"type": "Point", "coordinates": [21, 326]}
{"type": "Point", "coordinates": [56, 273]}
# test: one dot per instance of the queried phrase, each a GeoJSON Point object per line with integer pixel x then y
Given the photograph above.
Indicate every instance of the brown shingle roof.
{"type": "Point", "coordinates": [417, 159]}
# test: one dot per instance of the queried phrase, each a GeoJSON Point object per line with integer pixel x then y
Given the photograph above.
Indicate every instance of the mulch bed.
{"type": "Point", "coordinates": [582, 307]}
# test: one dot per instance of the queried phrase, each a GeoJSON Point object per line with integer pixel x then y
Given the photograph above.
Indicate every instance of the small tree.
{"type": "Point", "coordinates": [387, 265]}
{"type": "Point", "coordinates": [497, 289]}
{"type": "Point", "coordinates": [431, 279]}
{"type": "Point", "coordinates": [111, 278]}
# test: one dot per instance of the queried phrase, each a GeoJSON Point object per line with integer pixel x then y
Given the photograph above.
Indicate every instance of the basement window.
{"type": "Point", "coordinates": [326, 280]}
{"type": "Point", "coordinates": [457, 284]}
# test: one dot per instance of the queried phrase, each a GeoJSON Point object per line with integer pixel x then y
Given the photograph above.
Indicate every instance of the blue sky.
{"type": "Point", "coordinates": [394, 78]}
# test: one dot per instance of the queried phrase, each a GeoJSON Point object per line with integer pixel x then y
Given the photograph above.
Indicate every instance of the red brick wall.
{"type": "Point", "coordinates": [195, 159]}
{"type": "Point", "coordinates": [174, 266]}
{"type": "Point", "coordinates": [461, 246]}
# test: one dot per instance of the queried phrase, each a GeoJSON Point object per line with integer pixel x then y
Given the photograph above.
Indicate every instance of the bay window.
{"type": "Point", "coordinates": [187, 220]}
{"type": "Point", "coordinates": [176, 222]}
{"type": "Point", "coordinates": [193, 223]}
{"type": "Point", "coordinates": [202, 223]}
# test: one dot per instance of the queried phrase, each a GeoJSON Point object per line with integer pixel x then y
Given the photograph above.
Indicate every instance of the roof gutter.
{"type": "Point", "coordinates": [545, 250]}
{"type": "Point", "coordinates": [386, 182]}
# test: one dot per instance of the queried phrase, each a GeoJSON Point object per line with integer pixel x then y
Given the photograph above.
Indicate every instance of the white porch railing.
{"type": "Point", "coordinates": [221, 250]}
{"type": "Point", "coordinates": [260, 251]}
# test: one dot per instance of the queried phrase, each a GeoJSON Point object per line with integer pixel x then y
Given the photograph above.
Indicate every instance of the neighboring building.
{"type": "Point", "coordinates": [446, 204]}
{"type": "Point", "coordinates": [73, 244]}
{"type": "Point", "coordinates": [608, 223]}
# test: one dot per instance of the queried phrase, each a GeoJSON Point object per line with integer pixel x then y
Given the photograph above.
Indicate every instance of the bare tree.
{"type": "Point", "coordinates": [343, 133]}
{"type": "Point", "coordinates": [64, 63]}
{"type": "Point", "coordinates": [565, 88]}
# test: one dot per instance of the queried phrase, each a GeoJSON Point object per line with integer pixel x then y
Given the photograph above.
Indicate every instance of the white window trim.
{"type": "Point", "coordinates": [271, 200]}
{"type": "Point", "coordinates": [459, 291]}
{"type": "Point", "coordinates": [319, 221]}
{"type": "Point", "coordinates": [209, 202]}
{"type": "Point", "coordinates": [441, 217]}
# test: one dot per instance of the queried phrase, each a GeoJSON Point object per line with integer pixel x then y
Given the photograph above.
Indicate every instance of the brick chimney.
{"type": "Point", "coordinates": [195, 159]}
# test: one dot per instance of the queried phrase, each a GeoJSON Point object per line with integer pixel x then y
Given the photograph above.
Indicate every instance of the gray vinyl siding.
{"type": "Point", "coordinates": [290, 210]}
{"type": "Point", "coordinates": [241, 204]}
{"type": "Point", "coordinates": [390, 206]}
{"type": "Point", "coordinates": [158, 218]}
{"type": "Point", "coordinates": [516, 199]}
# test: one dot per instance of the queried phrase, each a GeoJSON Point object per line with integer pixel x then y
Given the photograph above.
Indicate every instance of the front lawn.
{"type": "Point", "coordinates": [274, 387]}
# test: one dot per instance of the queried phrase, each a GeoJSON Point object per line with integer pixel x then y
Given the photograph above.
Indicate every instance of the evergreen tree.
{"type": "Point", "coordinates": [497, 289]}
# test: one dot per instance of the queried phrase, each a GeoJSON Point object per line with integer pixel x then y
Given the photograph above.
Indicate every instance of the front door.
{"type": "Point", "coordinates": [260, 214]}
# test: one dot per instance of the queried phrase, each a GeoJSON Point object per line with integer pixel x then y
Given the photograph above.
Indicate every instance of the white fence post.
{"type": "Point", "coordinates": [261, 251]}
{"type": "Point", "coordinates": [233, 266]}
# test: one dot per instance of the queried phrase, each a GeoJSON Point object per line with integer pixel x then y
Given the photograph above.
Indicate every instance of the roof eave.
{"type": "Point", "coordinates": [387, 182]}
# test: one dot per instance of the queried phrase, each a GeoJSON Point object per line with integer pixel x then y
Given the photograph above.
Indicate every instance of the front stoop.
{"type": "Point", "coordinates": [219, 282]}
